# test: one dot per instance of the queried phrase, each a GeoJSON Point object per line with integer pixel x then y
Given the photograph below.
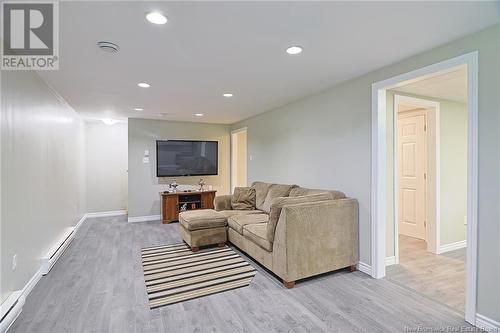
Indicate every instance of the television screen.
{"type": "Point", "coordinates": [186, 158]}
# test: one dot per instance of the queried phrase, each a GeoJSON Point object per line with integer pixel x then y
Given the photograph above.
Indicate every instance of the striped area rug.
{"type": "Point", "coordinates": [174, 274]}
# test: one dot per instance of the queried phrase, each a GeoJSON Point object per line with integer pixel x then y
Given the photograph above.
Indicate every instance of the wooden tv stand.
{"type": "Point", "coordinates": [172, 202]}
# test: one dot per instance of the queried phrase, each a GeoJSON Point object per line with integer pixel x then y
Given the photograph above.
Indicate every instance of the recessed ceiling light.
{"type": "Point", "coordinates": [156, 18]}
{"type": "Point", "coordinates": [163, 114]}
{"type": "Point", "coordinates": [294, 50]}
{"type": "Point", "coordinates": [109, 121]}
{"type": "Point", "coordinates": [198, 114]}
{"type": "Point", "coordinates": [143, 85]}
{"type": "Point", "coordinates": [227, 95]}
{"type": "Point", "coordinates": [138, 109]}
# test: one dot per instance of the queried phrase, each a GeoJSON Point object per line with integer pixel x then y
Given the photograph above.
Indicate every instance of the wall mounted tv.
{"type": "Point", "coordinates": [176, 158]}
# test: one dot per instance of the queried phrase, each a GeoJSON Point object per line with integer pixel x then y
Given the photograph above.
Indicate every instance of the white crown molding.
{"type": "Point", "coordinates": [144, 218]}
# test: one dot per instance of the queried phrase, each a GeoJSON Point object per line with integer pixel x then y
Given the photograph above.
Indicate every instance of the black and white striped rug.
{"type": "Point", "coordinates": [174, 274]}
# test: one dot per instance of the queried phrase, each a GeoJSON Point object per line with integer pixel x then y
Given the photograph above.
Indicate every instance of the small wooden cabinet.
{"type": "Point", "coordinates": [172, 203]}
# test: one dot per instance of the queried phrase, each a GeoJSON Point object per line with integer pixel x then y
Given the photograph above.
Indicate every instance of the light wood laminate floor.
{"type": "Point", "coordinates": [440, 277]}
{"type": "Point", "coordinates": [98, 286]}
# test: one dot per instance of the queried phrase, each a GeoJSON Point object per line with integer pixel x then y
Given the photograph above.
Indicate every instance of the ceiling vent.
{"type": "Point", "coordinates": [108, 47]}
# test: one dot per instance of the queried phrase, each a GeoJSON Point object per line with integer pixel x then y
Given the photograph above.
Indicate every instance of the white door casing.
{"type": "Point", "coordinates": [379, 177]}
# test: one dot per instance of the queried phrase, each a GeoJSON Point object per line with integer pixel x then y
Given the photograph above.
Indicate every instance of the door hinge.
{"type": "Point", "coordinates": [425, 127]}
{"type": "Point", "coordinates": [425, 223]}
{"type": "Point", "coordinates": [425, 176]}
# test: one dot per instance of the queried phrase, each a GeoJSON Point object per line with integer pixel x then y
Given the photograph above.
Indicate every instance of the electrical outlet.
{"type": "Point", "coordinates": [14, 262]}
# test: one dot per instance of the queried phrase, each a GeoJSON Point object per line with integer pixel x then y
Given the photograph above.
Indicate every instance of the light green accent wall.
{"type": "Point", "coordinates": [143, 185]}
{"type": "Point", "coordinates": [106, 165]}
{"type": "Point", "coordinates": [453, 169]}
{"type": "Point", "coordinates": [325, 141]}
{"type": "Point", "coordinates": [42, 173]}
{"type": "Point", "coordinates": [453, 126]}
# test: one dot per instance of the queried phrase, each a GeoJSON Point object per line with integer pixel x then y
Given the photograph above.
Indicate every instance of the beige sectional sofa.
{"type": "Point", "coordinates": [293, 231]}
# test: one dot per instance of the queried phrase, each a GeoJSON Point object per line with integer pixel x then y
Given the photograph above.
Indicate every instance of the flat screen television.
{"type": "Point", "coordinates": [176, 158]}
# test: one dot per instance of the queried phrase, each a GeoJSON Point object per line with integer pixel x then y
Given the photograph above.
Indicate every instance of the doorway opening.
{"type": "Point", "coordinates": [416, 159]}
{"type": "Point", "coordinates": [430, 187]}
{"type": "Point", "coordinates": [238, 158]}
{"type": "Point", "coordinates": [415, 170]}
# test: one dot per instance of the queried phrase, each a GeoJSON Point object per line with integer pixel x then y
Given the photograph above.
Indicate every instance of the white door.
{"type": "Point", "coordinates": [412, 162]}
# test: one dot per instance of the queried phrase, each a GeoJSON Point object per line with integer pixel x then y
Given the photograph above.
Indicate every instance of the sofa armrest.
{"type": "Point", "coordinates": [315, 238]}
{"type": "Point", "coordinates": [223, 202]}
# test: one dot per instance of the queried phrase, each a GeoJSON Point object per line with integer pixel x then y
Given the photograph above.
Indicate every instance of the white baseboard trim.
{"type": "Point", "coordinates": [105, 214]}
{"type": "Point", "coordinates": [13, 305]}
{"type": "Point", "coordinates": [452, 246]}
{"type": "Point", "coordinates": [80, 222]}
{"type": "Point", "coordinates": [487, 324]}
{"type": "Point", "coordinates": [57, 250]}
{"type": "Point", "coordinates": [10, 309]}
{"type": "Point", "coordinates": [367, 269]}
{"type": "Point", "coordinates": [15, 302]}
{"type": "Point", "coordinates": [144, 218]}
{"type": "Point", "coordinates": [390, 261]}
{"type": "Point", "coordinates": [28, 288]}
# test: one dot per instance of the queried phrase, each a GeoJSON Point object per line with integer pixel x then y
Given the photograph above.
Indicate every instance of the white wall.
{"type": "Point", "coordinates": [325, 141]}
{"type": "Point", "coordinates": [144, 186]}
{"type": "Point", "coordinates": [42, 172]}
{"type": "Point", "coordinates": [106, 164]}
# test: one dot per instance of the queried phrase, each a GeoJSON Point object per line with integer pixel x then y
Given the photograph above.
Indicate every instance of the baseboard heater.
{"type": "Point", "coordinates": [11, 309]}
{"type": "Point", "coordinates": [57, 250]}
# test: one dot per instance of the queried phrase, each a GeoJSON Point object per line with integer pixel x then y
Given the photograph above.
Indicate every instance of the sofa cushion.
{"type": "Point", "coordinates": [237, 222]}
{"type": "Point", "coordinates": [279, 203]}
{"type": "Point", "coordinates": [275, 191]}
{"type": "Point", "coordinates": [301, 191]}
{"type": "Point", "coordinates": [201, 219]}
{"type": "Point", "coordinates": [256, 233]}
{"type": "Point", "coordinates": [228, 213]}
{"type": "Point", "coordinates": [243, 198]}
{"type": "Point", "coordinates": [261, 189]}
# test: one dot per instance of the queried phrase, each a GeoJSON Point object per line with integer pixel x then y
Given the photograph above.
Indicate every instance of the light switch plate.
{"type": "Point", "coordinates": [146, 153]}
{"type": "Point", "coordinates": [145, 160]}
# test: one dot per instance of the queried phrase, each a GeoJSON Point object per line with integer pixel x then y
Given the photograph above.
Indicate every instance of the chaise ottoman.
{"type": "Point", "coordinates": [202, 227]}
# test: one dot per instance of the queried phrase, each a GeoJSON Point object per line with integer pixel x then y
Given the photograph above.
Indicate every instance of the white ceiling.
{"type": "Point", "coordinates": [208, 48]}
{"type": "Point", "coordinates": [451, 85]}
